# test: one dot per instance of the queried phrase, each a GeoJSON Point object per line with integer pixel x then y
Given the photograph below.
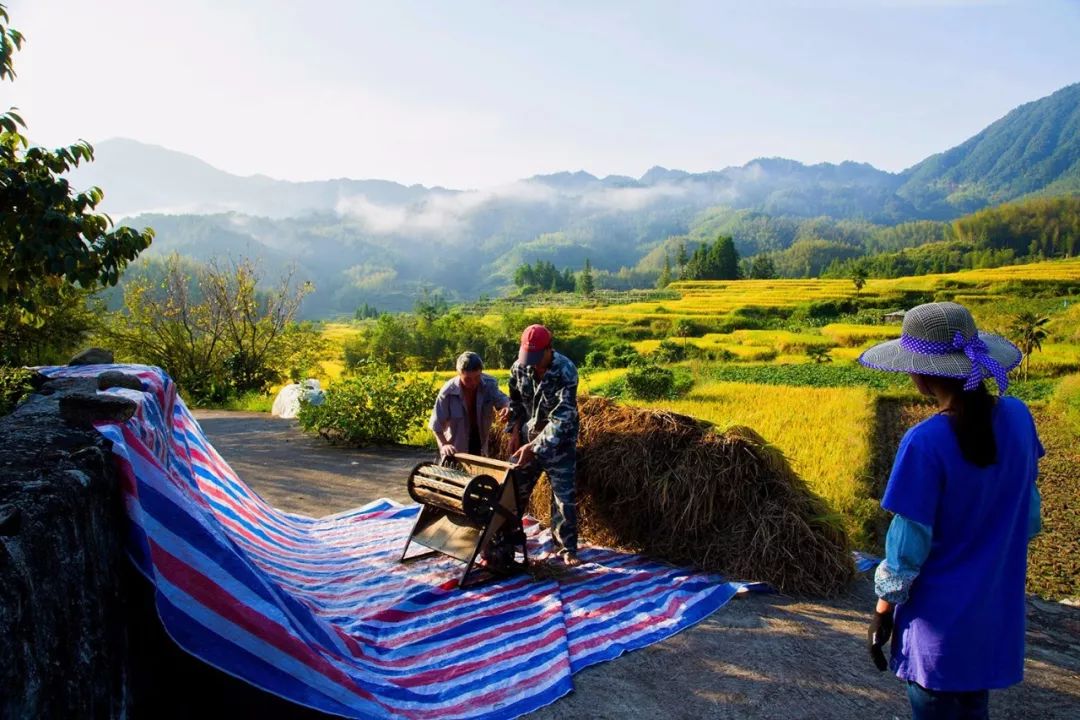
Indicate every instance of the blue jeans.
{"type": "Point", "coordinates": [942, 705]}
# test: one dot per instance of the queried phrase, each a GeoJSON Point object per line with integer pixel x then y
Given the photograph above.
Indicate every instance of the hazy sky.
{"type": "Point", "coordinates": [471, 94]}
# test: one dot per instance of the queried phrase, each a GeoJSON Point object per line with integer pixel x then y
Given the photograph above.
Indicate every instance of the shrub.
{"type": "Point", "coordinates": [619, 355]}
{"type": "Point", "coordinates": [650, 382]}
{"type": "Point", "coordinates": [596, 359]}
{"type": "Point", "coordinates": [824, 309]}
{"type": "Point", "coordinates": [723, 355]}
{"type": "Point", "coordinates": [684, 327]}
{"type": "Point", "coordinates": [661, 327]}
{"type": "Point", "coordinates": [622, 355]}
{"type": "Point", "coordinates": [575, 347]}
{"type": "Point", "coordinates": [374, 407]}
{"type": "Point", "coordinates": [668, 352]}
{"type": "Point", "coordinates": [14, 386]}
{"type": "Point", "coordinates": [633, 334]}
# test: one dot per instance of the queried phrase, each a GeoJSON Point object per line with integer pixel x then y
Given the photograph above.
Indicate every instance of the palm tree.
{"type": "Point", "coordinates": [1028, 331]}
{"type": "Point", "coordinates": [818, 353]}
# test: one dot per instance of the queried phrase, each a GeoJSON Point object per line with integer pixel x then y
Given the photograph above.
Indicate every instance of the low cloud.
{"type": "Point", "coordinates": [439, 211]}
{"type": "Point", "coordinates": [631, 198]}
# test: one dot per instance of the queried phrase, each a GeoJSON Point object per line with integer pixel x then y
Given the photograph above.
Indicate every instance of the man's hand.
{"type": "Point", "coordinates": [503, 414]}
{"type": "Point", "coordinates": [879, 632]}
{"type": "Point", "coordinates": [523, 455]}
{"type": "Point", "coordinates": [446, 451]}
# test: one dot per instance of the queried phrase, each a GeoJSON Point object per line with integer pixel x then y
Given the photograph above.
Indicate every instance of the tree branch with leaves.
{"type": "Point", "coordinates": [49, 233]}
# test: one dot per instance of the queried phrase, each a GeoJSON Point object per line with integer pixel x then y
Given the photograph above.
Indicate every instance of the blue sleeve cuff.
{"type": "Point", "coordinates": [907, 546]}
{"type": "Point", "coordinates": [891, 585]}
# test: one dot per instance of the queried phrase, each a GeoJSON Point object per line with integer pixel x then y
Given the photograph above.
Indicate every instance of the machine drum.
{"type": "Point", "coordinates": [455, 491]}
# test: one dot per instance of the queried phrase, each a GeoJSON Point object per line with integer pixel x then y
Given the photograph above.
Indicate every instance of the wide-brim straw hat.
{"type": "Point", "coordinates": [941, 339]}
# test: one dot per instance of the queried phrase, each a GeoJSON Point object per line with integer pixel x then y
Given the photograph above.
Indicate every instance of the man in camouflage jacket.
{"type": "Point", "coordinates": [544, 428]}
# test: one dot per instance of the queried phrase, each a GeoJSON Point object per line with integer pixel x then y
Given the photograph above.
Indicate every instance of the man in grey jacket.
{"type": "Point", "coordinates": [465, 407]}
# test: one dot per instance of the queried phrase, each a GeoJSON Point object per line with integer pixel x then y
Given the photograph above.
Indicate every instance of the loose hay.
{"type": "Point", "coordinates": [666, 485]}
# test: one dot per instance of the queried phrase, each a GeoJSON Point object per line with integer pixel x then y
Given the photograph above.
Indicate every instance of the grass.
{"type": "Point", "coordinates": [1053, 563]}
{"type": "Point", "coordinates": [1056, 358]}
{"type": "Point", "coordinates": [1065, 403]}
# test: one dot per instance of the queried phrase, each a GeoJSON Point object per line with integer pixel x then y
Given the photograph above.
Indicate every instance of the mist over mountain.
{"type": "Point", "coordinates": [379, 242]}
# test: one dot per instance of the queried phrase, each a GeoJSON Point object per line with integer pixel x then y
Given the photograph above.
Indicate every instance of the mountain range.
{"type": "Point", "coordinates": [379, 242]}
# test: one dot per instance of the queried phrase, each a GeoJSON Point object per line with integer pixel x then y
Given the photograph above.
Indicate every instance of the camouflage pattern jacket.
{"type": "Point", "coordinates": [546, 409]}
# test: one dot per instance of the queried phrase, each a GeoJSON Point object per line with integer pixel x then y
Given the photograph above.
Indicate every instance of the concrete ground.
{"type": "Point", "coordinates": [761, 656]}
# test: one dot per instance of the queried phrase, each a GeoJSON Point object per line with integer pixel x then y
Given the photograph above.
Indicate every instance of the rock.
{"type": "Point", "coordinates": [38, 380]}
{"type": "Point", "coordinates": [82, 409]}
{"type": "Point", "coordinates": [10, 520]}
{"type": "Point", "coordinates": [64, 385]}
{"type": "Point", "coordinates": [93, 356]}
{"type": "Point", "coordinates": [64, 641]}
{"type": "Point", "coordinates": [115, 378]}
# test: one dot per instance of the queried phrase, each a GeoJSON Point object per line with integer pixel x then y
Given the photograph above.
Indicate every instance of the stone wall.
{"type": "Point", "coordinates": [63, 638]}
{"type": "Point", "coordinates": [79, 632]}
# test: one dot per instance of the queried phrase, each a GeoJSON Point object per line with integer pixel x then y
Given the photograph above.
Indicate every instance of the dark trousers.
{"type": "Point", "coordinates": [560, 471]}
{"type": "Point", "coordinates": [942, 705]}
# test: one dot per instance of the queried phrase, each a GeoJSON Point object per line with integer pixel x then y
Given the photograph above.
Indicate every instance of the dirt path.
{"type": "Point", "coordinates": [762, 656]}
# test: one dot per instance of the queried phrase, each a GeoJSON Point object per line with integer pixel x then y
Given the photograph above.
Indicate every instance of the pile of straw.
{"type": "Point", "coordinates": [667, 486]}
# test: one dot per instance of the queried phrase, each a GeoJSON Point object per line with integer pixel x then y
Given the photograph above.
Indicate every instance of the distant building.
{"type": "Point", "coordinates": [897, 316]}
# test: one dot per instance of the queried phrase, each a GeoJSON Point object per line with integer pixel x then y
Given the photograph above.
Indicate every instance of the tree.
{"type": "Point", "coordinates": [254, 321]}
{"type": "Point", "coordinates": [64, 318]}
{"type": "Point", "coordinates": [366, 312]}
{"type": "Point", "coordinates": [818, 353]}
{"type": "Point", "coordinates": [50, 235]}
{"type": "Point", "coordinates": [209, 327]}
{"type": "Point", "coordinates": [726, 258]}
{"type": "Point", "coordinates": [1028, 331]}
{"type": "Point", "coordinates": [858, 279]}
{"type": "Point", "coordinates": [430, 306]}
{"type": "Point", "coordinates": [303, 346]}
{"type": "Point", "coordinates": [665, 275]}
{"type": "Point", "coordinates": [585, 284]}
{"type": "Point", "coordinates": [681, 258]}
{"type": "Point", "coordinates": [719, 261]}
{"type": "Point", "coordinates": [523, 275]}
{"type": "Point", "coordinates": [762, 268]}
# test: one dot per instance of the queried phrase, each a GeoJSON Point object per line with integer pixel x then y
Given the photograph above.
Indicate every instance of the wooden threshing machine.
{"type": "Point", "coordinates": [469, 511]}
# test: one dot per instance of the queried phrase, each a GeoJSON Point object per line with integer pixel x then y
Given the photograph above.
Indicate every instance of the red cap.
{"type": "Point", "coordinates": [534, 341]}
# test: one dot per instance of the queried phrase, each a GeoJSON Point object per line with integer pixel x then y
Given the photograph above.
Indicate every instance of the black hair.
{"type": "Point", "coordinates": [972, 419]}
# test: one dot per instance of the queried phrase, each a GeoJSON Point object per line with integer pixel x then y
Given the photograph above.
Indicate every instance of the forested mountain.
{"type": "Point", "coordinates": [1033, 149]}
{"type": "Point", "coordinates": [380, 242]}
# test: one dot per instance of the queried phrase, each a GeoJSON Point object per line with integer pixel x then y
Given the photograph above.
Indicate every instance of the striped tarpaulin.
{"type": "Point", "coordinates": [319, 611]}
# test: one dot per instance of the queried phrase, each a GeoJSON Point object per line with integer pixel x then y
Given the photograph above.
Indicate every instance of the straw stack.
{"type": "Point", "coordinates": [668, 486]}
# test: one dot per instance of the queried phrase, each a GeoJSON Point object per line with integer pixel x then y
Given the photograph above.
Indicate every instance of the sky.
{"type": "Point", "coordinates": [476, 94]}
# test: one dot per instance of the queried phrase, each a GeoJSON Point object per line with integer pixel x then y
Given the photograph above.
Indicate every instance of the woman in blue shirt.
{"type": "Point", "coordinates": [962, 490]}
